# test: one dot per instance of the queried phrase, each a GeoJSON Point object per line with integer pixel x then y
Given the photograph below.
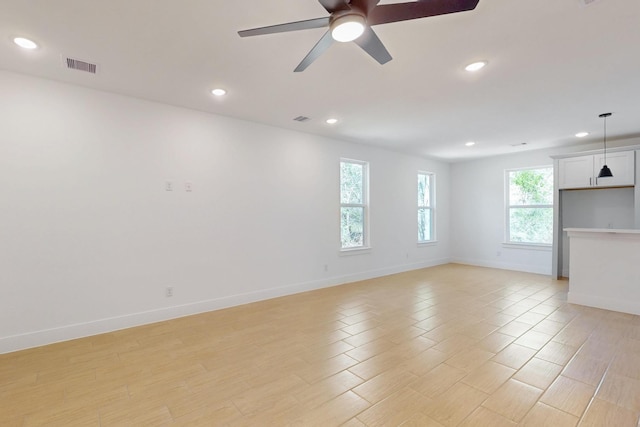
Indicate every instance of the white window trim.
{"type": "Point", "coordinates": [427, 243]}
{"type": "Point", "coordinates": [431, 207]}
{"type": "Point", "coordinates": [528, 246]}
{"type": "Point", "coordinates": [521, 245]}
{"type": "Point", "coordinates": [366, 239]}
{"type": "Point", "coordinates": [354, 251]}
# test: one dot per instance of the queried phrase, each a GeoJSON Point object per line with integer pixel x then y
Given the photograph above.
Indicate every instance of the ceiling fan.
{"type": "Point", "coordinates": [351, 20]}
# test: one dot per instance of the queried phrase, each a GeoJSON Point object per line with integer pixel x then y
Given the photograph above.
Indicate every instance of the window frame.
{"type": "Point", "coordinates": [431, 207]}
{"type": "Point", "coordinates": [366, 245]}
{"type": "Point", "coordinates": [508, 206]}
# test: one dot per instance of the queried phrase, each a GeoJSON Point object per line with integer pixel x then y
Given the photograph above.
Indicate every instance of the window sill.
{"type": "Point", "coordinates": [427, 243]}
{"type": "Point", "coordinates": [528, 246]}
{"type": "Point", "coordinates": [354, 251]}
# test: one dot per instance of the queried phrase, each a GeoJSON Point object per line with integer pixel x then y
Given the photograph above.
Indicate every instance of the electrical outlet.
{"type": "Point", "coordinates": [188, 187]}
{"type": "Point", "coordinates": [168, 186]}
{"type": "Point", "coordinates": [168, 292]}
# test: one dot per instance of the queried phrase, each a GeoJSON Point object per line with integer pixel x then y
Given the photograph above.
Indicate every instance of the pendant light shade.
{"type": "Point", "coordinates": [605, 172]}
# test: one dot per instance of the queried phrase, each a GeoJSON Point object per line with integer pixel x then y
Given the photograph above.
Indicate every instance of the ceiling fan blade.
{"type": "Point", "coordinates": [283, 28]}
{"type": "Point", "coordinates": [322, 45]}
{"type": "Point", "coordinates": [386, 13]}
{"type": "Point", "coordinates": [334, 5]}
{"type": "Point", "coordinates": [371, 44]}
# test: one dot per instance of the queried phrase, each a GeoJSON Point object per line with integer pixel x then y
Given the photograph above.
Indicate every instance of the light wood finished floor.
{"type": "Point", "coordinates": [445, 346]}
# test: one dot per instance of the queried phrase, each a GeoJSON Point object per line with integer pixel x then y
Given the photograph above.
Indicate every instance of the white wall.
{"type": "Point", "coordinates": [478, 210]}
{"type": "Point", "coordinates": [90, 238]}
{"type": "Point", "coordinates": [478, 214]}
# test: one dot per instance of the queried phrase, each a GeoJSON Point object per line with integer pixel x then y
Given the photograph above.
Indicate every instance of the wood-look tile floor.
{"type": "Point", "coordinates": [445, 346]}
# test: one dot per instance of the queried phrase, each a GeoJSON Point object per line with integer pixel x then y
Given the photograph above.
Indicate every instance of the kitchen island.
{"type": "Point", "coordinates": [605, 268]}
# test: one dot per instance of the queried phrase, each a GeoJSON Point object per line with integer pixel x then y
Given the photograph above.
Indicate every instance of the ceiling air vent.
{"type": "Point", "coordinates": [302, 119]}
{"type": "Point", "coordinates": [77, 64]}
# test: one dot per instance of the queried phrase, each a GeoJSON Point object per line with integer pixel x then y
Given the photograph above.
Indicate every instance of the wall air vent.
{"type": "Point", "coordinates": [77, 64]}
{"type": "Point", "coordinates": [302, 119]}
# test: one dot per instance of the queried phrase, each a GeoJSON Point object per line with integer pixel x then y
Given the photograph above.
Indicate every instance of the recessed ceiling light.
{"type": "Point", "coordinates": [476, 66]}
{"type": "Point", "coordinates": [25, 43]}
{"type": "Point", "coordinates": [470, 144]}
{"type": "Point", "coordinates": [582, 134]}
{"type": "Point", "coordinates": [332, 121]}
{"type": "Point", "coordinates": [219, 92]}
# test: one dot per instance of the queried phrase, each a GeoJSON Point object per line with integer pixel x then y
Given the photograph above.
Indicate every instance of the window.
{"type": "Point", "coordinates": [353, 204]}
{"type": "Point", "coordinates": [426, 192]}
{"type": "Point", "coordinates": [530, 206]}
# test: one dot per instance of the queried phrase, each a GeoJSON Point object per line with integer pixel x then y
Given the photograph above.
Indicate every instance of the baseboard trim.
{"type": "Point", "coordinates": [605, 303]}
{"type": "Point", "coordinates": [505, 266]}
{"type": "Point", "coordinates": [69, 332]}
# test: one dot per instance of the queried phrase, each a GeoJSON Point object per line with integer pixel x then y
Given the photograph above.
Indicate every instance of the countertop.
{"type": "Point", "coordinates": [603, 230]}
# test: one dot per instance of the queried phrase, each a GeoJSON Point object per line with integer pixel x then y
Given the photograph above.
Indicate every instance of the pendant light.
{"type": "Point", "coordinates": [605, 172]}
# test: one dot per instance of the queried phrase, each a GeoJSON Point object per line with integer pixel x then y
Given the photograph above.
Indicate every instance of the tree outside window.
{"type": "Point", "coordinates": [353, 204]}
{"type": "Point", "coordinates": [425, 207]}
{"type": "Point", "coordinates": [530, 206]}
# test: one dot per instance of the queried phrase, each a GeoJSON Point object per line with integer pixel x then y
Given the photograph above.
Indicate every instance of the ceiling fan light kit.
{"type": "Point", "coordinates": [351, 20]}
{"type": "Point", "coordinates": [347, 27]}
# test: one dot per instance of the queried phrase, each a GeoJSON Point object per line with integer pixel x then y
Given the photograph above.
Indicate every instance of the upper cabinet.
{"type": "Point", "coordinates": [582, 171]}
{"type": "Point", "coordinates": [575, 172]}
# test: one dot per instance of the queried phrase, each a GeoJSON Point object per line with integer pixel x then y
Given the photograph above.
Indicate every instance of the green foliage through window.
{"type": "Point", "coordinates": [352, 203]}
{"type": "Point", "coordinates": [530, 205]}
{"type": "Point", "coordinates": [425, 207]}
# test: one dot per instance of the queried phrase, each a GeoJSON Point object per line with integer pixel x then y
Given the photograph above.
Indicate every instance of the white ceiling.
{"type": "Point", "coordinates": [554, 65]}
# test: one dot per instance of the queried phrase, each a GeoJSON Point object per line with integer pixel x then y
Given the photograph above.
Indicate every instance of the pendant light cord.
{"type": "Point", "coordinates": [604, 116]}
{"type": "Point", "coordinates": [605, 140]}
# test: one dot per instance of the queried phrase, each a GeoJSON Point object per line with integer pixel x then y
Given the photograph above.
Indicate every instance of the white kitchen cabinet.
{"type": "Point", "coordinates": [575, 172]}
{"type": "Point", "coordinates": [582, 171]}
